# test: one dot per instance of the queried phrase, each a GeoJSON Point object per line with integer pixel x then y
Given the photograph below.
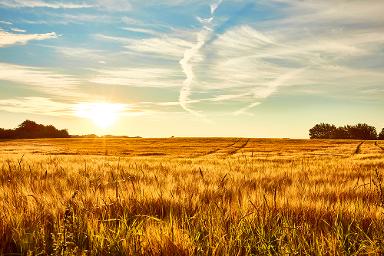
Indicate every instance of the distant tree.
{"type": "Point", "coordinates": [6, 134]}
{"type": "Point", "coordinates": [63, 134]}
{"type": "Point", "coordinates": [30, 129]}
{"type": "Point", "coordinates": [341, 133]}
{"type": "Point", "coordinates": [381, 135]}
{"type": "Point", "coordinates": [49, 131]}
{"type": "Point", "coordinates": [329, 131]}
{"type": "Point", "coordinates": [322, 131]}
{"type": "Point", "coordinates": [2, 133]}
{"type": "Point", "coordinates": [362, 131]}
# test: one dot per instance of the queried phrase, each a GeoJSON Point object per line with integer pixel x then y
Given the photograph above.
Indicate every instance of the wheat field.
{"type": "Point", "coordinates": [191, 196]}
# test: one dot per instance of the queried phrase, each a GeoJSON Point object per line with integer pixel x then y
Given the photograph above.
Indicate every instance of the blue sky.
{"type": "Point", "coordinates": [192, 68]}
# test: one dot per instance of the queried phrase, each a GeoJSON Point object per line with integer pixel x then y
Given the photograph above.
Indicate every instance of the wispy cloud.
{"type": "Point", "coordinates": [40, 79]}
{"type": "Point", "coordinates": [214, 6]}
{"type": "Point", "coordinates": [261, 63]}
{"type": "Point", "coordinates": [79, 53]}
{"type": "Point", "coordinates": [167, 46]}
{"type": "Point", "coordinates": [245, 109]}
{"type": "Point", "coordinates": [142, 31]}
{"type": "Point", "coordinates": [37, 106]}
{"type": "Point", "coordinates": [118, 39]}
{"type": "Point", "coordinates": [7, 38]}
{"type": "Point", "coordinates": [51, 107]}
{"type": "Point", "coordinates": [41, 4]}
{"type": "Point", "coordinates": [63, 18]}
{"type": "Point", "coordinates": [327, 12]}
{"type": "Point", "coordinates": [190, 54]}
{"type": "Point", "coordinates": [139, 77]}
{"type": "Point", "coordinates": [6, 22]}
{"type": "Point", "coordinates": [114, 5]}
{"type": "Point", "coordinates": [18, 30]}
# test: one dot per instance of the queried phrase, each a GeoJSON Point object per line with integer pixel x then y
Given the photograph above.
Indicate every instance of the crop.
{"type": "Point", "coordinates": [191, 197]}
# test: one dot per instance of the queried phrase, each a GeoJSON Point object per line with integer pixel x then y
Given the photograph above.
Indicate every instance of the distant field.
{"type": "Point", "coordinates": [191, 196]}
{"type": "Point", "coordinates": [187, 147]}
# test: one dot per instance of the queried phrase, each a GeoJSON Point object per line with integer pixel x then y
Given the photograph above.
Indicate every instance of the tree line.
{"type": "Point", "coordinates": [31, 130]}
{"type": "Point", "coordinates": [358, 131]}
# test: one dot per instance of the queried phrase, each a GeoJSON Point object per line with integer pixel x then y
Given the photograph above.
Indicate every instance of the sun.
{"type": "Point", "coordinates": [102, 114]}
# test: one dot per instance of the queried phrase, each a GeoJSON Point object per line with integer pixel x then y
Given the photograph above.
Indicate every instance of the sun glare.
{"type": "Point", "coordinates": [103, 115]}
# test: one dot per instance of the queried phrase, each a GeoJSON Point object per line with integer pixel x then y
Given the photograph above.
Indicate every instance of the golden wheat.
{"type": "Point", "coordinates": [191, 197]}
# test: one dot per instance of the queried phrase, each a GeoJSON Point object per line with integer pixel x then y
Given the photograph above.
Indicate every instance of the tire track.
{"type": "Point", "coordinates": [218, 149]}
{"type": "Point", "coordinates": [239, 148]}
{"type": "Point", "coordinates": [358, 148]}
{"type": "Point", "coordinates": [377, 144]}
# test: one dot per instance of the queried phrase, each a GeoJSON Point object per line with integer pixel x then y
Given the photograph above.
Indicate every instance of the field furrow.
{"type": "Point", "coordinates": [155, 197]}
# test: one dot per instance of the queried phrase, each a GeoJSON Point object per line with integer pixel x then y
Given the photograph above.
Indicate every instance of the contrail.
{"type": "Point", "coordinates": [214, 6]}
{"type": "Point", "coordinates": [244, 109]}
{"type": "Point", "coordinates": [189, 54]}
{"type": "Point", "coordinates": [271, 88]}
{"type": "Point", "coordinates": [185, 91]}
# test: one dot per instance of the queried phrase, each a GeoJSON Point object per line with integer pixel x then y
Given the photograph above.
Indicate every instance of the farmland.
{"type": "Point", "coordinates": [191, 196]}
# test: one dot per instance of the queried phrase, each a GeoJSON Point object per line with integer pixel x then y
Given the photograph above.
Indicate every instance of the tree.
{"type": "Point", "coordinates": [30, 130]}
{"type": "Point", "coordinates": [381, 135]}
{"type": "Point", "coordinates": [5, 134]}
{"type": "Point", "coordinates": [362, 131]}
{"type": "Point", "coordinates": [63, 134]}
{"type": "Point", "coordinates": [358, 132]}
{"type": "Point", "coordinates": [322, 131]}
{"type": "Point", "coordinates": [341, 133]}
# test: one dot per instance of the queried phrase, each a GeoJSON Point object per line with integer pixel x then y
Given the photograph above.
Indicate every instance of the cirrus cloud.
{"type": "Point", "coordinates": [7, 38]}
{"type": "Point", "coordinates": [41, 4]}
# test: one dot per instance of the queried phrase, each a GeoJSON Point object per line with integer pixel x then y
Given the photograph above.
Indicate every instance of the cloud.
{"type": "Point", "coordinates": [6, 22]}
{"type": "Point", "coordinates": [7, 38]}
{"type": "Point", "coordinates": [225, 97]}
{"type": "Point", "coordinates": [18, 30]}
{"type": "Point", "coordinates": [244, 57]}
{"type": "Point", "coordinates": [142, 31]}
{"type": "Point", "coordinates": [40, 79]}
{"type": "Point", "coordinates": [130, 21]}
{"type": "Point", "coordinates": [128, 5]}
{"type": "Point", "coordinates": [214, 6]}
{"type": "Point", "coordinates": [114, 5]}
{"type": "Point", "coordinates": [36, 105]}
{"type": "Point", "coordinates": [50, 107]}
{"type": "Point", "coordinates": [79, 53]}
{"type": "Point", "coordinates": [235, 64]}
{"type": "Point", "coordinates": [62, 18]}
{"type": "Point", "coordinates": [187, 68]}
{"type": "Point", "coordinates": [85, 109]}
{"type": "Point", "coordinates": [118, 39]}
{"type": "Point", "coordinates": [330, 12]}
{"type": "Point", "coordinates": [189, 56]}
{"type": "Point", "coordinates": [105, 5]}
{"type": "Point", "coordinates": [41, 4]}
{"type": "Point", "coordinates": [245, 109]}
{"type": "Point", "coordinates": [79, 18]}
{"type": "Point", "coordinates": [166, 47]}
{"type": "Point", "coordinates": [139, 77]}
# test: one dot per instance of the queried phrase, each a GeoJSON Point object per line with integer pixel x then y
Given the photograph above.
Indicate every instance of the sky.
{"type": "Point", "coordinates": [234, 68]}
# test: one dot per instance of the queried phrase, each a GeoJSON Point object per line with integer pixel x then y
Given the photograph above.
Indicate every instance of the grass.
{"type": "Point", "coordinates": [191, 197]}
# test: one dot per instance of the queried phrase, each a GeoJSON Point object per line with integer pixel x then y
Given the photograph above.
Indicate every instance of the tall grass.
{"type": "Point", "coordinates": [314, 198]}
